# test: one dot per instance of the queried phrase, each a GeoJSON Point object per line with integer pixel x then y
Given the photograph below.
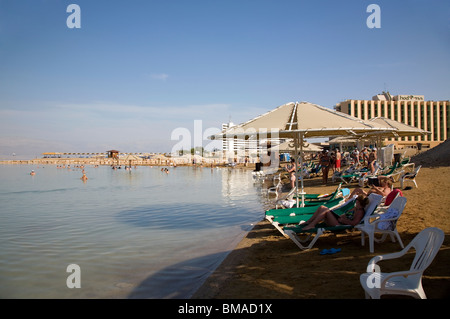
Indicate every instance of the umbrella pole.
{"type": "Point", "coordinates": [301, 167]}
{"type": "Point", "coordinates": [296, 168]}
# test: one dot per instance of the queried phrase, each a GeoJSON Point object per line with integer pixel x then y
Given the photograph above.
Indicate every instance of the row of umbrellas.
{"type": "Point", "coordinates": [301, 120]}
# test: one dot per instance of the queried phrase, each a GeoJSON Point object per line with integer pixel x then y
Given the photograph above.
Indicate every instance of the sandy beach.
{"type": "Point", "coordinates": [266, 265]}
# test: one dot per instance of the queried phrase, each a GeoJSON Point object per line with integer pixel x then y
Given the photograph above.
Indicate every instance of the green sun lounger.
{"type": "Point", "coordinates": [310, 207]}
{"type": "Point", "coordinates": [313, 197]}
{"type": "Point", "coordinates": [301, 210]}
{"type": "Point", "coordinates": [312, 235]}
{"type": "Point", "coordinates": [289, 220]}
{"type": "Point", "coordinates": [304, 213]}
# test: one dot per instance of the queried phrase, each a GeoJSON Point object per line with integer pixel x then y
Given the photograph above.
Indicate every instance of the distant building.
{"type": "Point", "coordinates": [432, 116]}
{"type": "Point", "coordinates": [234, 146]}
{"type": "Point", "coordinates": [113, 154]}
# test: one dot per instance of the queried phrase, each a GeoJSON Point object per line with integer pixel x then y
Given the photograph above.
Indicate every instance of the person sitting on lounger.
{"type": "Point", "coordinates": [384, 189]}
{"type": "Point", "coordinates": [351, 217]}
{"type": "Point", "coordinates": [371, 160]}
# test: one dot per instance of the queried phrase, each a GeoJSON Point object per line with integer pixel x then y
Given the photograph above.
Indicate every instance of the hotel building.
{"type": "Point", "coordinates": [432, 116]}
{"type": "Point", "coordinates": [241, 148]}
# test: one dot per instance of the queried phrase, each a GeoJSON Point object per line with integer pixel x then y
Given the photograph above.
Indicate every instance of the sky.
{"type": "Point", "coordinates": [149, 76]}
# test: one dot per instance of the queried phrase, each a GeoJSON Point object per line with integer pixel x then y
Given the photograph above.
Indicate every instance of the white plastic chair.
{"type": "Point", "coordinates": [375, 283]}
{"type": "Point", "coordinates": [277, 188]}
{"type": "Point", "coordinates": [410, 177]}
{"type": "Point", "coordinates": [383, 217]}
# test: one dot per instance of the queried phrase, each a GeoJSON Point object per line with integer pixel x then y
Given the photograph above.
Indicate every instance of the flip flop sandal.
{"type": "Point", "coordinates": [333, 251]}
{"type": "Point", "coordinates": [330, 251]}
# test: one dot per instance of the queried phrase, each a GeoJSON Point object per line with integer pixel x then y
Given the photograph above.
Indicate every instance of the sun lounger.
{"type": "Point", "coordinates": [410, 177]}
{"type": "Point", "coordinates": [309, 208]}
{"type": "Point", "coordinates": [312, 235]}
{"type": "Point", "coordinates": [339, 209]}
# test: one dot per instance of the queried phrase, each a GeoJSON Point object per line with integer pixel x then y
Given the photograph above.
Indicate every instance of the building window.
{"type": "Point", "coordinates": [435, 122]}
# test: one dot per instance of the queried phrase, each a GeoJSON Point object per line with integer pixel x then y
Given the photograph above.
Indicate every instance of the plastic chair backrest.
{"type": "Point", "coordinates": [374, 201]}
{"type": "Point", "coordinates": [426, 244]}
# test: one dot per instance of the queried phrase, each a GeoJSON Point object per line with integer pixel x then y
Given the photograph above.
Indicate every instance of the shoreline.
{"type": "Point", "coordinates": [266, 265]}
{"type": "Point", "coordinates": [123, 162]}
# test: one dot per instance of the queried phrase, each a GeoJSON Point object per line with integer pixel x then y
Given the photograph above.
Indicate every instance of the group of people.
{"type": "Point", "coordinates": [368, 157]}
{"type": "Point", "coordinates": [333, 159]}
{"type": "Point", "coordinates": [327, 160]}
{"type": "Point", "coordinates": [381, 185]}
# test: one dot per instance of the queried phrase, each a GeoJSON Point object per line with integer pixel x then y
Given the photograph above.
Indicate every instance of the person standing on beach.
{"type": "Point", "coordinates": [325, 164]}
{"type": "Point", "coordinates": [338, 160]}
{"type": "Point", "coordinates": [365, 156]}
{"type": "Point", "coordinates": [291, 170]}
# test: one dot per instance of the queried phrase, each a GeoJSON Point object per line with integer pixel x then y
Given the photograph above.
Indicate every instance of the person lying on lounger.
{"type": "Point", "coordinates": [351, 217]}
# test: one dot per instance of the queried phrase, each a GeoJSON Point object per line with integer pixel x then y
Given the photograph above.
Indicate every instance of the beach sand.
{"type": "Point", "coordinates": [266, 265]}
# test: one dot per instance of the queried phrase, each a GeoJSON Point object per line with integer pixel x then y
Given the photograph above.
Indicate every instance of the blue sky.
{"type": "Point", "coordinates": [136, 71]}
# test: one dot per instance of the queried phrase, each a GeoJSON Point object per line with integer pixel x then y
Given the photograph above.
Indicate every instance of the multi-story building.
{"type": "Point", "coordinates": [234, 147]}
{"type": "Point", "coordinates": [432, 116]}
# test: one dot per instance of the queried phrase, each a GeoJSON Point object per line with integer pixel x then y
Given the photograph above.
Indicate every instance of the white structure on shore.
{"type": "Point", "coordinates": [237, 148]}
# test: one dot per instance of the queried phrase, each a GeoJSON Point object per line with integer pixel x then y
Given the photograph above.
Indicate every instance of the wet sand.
{"type": "Point", "coordinates": [266, 265]}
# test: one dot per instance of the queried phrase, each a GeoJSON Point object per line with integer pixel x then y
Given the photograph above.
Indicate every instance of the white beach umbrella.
{"type": "Point", "coordinates": [300, 120]}
{"type": "Point", "coordinates": [400, 129]}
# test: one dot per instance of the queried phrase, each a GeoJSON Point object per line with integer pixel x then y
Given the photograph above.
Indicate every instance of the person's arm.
{"type": "Point", "coordinates": [377, 190]}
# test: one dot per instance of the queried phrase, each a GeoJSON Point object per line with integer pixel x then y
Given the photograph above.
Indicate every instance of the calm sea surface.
{"type": "Point", "coordinates": [134, 234]}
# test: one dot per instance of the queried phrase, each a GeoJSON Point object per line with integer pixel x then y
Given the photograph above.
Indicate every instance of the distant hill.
{"type": "Point", "coordinates": [437, 156]}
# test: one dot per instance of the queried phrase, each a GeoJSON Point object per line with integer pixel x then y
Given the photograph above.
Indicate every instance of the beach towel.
{"type": "Point", "coordinates": [289, 203]}
{"type": "Point", "coordinates": [391, 196]}
{"type": "Point", "coordinates": [390, 224]}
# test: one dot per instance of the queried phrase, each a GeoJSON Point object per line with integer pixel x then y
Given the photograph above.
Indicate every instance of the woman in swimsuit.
{"type": "Point", "coordinates": [371, 160]}
{"type": "Point", "coordinates": [291, 170]}
{"type": "Point", "coordinates": [351, 217]}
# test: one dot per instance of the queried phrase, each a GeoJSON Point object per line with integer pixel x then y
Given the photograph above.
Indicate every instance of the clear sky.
{"type": "Point", "coordinates": [137, 71]}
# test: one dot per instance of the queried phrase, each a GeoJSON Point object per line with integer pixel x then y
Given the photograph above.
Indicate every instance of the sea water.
{"type": "Point", "coordinates": [139, 233]}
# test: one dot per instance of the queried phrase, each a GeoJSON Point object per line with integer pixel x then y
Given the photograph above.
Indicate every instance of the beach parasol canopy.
{"type": "Point", "coordinates": [311, 120]}
{"type": "Point", "coordinates": [300, 120]}
{"type": "Point", "coordinates": [400, 129]}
